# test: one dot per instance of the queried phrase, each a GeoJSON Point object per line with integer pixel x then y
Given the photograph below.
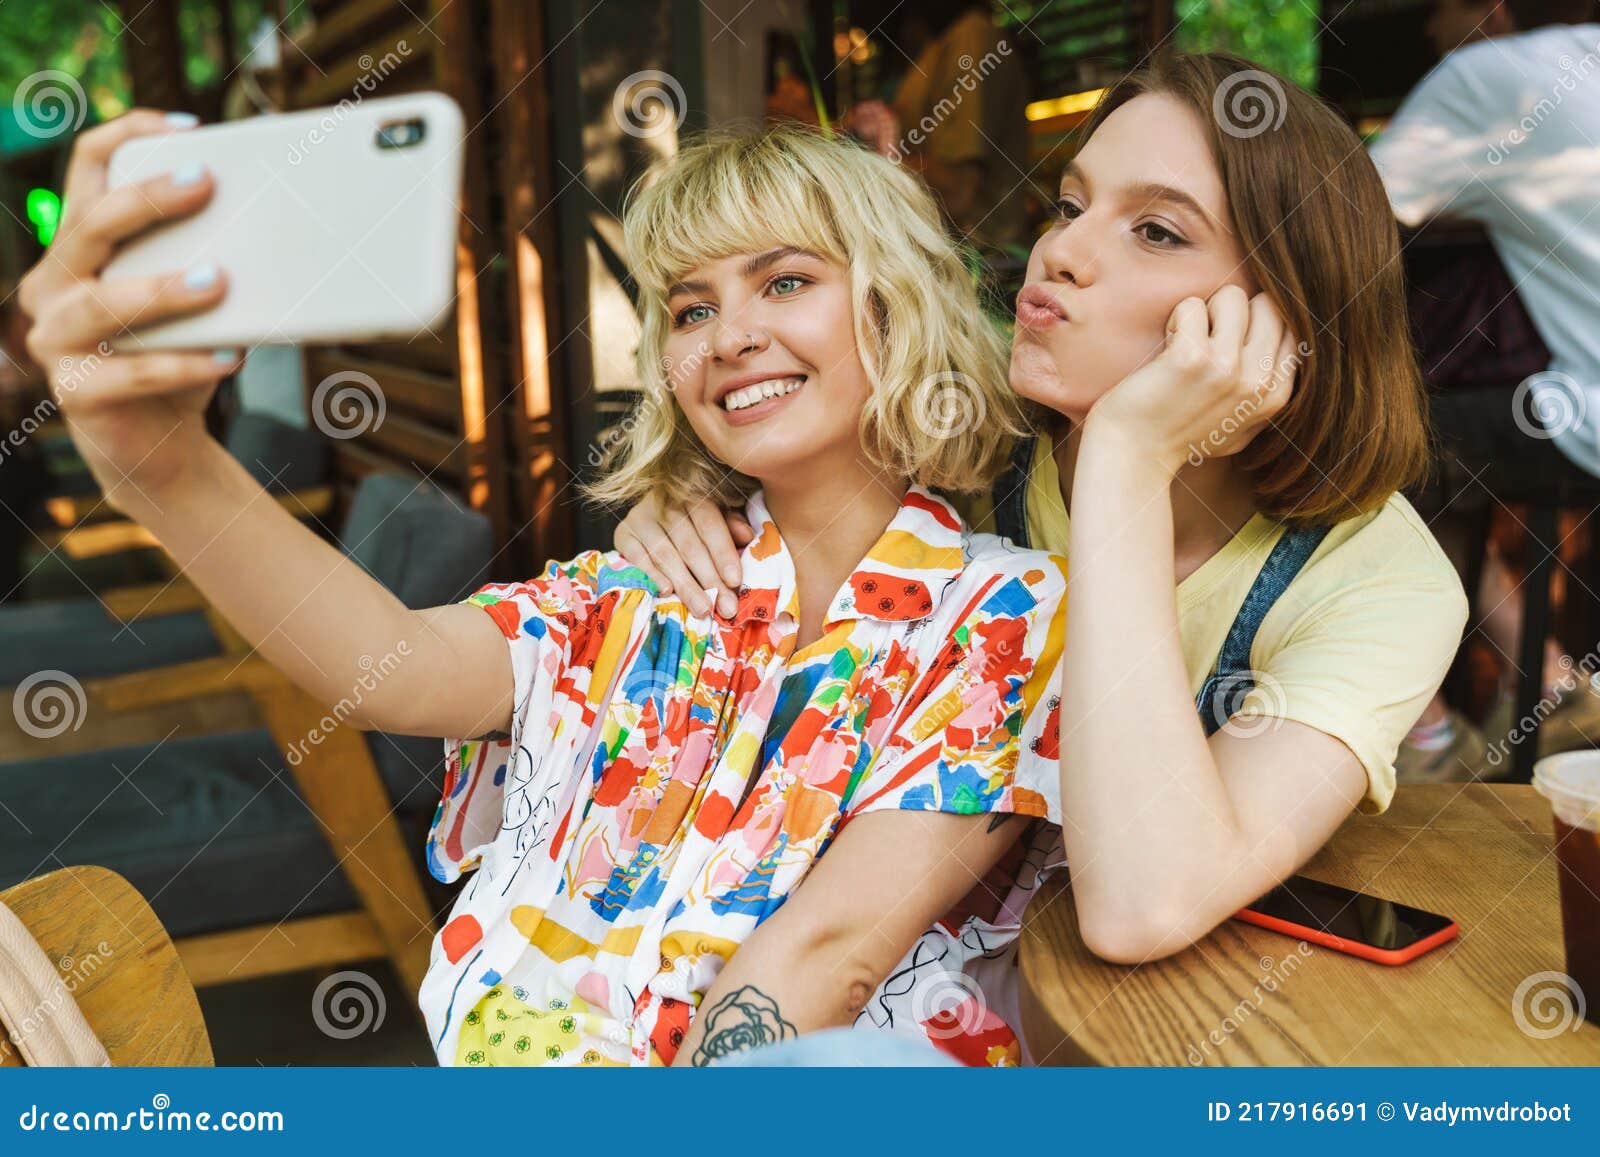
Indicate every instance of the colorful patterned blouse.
{"type": "Point", "coordinates": [621, 859]}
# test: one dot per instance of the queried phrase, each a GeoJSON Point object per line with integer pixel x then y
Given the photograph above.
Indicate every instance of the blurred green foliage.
{"type": "Point", "coordinates": [78, 37]}
{"type": "Point", "coordinates": [1080, 44]}
{"type": "Point", "coordinates": [1281, 34]}
{"type": "Point", "coordinates": [85, 38]}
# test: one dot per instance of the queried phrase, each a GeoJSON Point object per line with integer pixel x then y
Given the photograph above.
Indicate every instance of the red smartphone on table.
{"type": "Point", "coordinates": [1366, 926]}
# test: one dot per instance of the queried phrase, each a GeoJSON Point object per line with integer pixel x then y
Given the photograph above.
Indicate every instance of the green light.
{"type": "Point", "coordinates": [44, 210]}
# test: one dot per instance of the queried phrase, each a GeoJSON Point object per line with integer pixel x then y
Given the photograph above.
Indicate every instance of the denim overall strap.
{"type": "Point", "coordinates": [1011, 495]}
{"type": "Point", "coordinates": [1231, 679]}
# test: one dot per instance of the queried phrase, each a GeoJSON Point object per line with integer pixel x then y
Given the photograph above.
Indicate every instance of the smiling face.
{"type": "Point", "coordinates": [761, 355]}
{"type": "Point", "coordinates": [1142, 223]}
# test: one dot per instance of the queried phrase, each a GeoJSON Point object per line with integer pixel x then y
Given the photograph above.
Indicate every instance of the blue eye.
{"type": "Point", "coordinates": [789, 279]}
{"type": "Point", "coordinates": [693, 315]}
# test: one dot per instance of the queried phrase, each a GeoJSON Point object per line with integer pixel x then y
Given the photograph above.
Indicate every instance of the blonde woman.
{"type": "Point", "coordinates": [646, 792]}
{"type": "Point", "coordinates": [1258, 615]}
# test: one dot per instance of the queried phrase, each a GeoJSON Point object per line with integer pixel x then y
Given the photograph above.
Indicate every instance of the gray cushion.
{"type": "Point", "coordinates": [416, 540]}
{"type": "Point", "coordinates": [407, 533]}
{"type": "Point", "coordinates": [211, 830]}
{"type": "Point", "coordinates": [412, 768]}
{"type": "Point", "coordinates": [69, 473]}
{"type": "Point", "coordinates": [78, 637]}
{"type": "Point", "coordinates": [200, 870]}
{"type": "Point", "coordinates": [279, 456]}
{"type": "Point", "coordinates": [75, 635]}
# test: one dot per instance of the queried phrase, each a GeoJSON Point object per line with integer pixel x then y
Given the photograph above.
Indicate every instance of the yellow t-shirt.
{"type": "Point", "coordinates": [1356, 646]}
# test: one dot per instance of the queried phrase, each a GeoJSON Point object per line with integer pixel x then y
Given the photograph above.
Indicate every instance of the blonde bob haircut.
{"type": "Point", "coordinates": [940, 413]}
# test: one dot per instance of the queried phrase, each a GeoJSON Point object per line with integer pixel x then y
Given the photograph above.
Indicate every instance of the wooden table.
{"type": "Point", "coordinates": [118, 962]}
{"type": "Point", "coordinates": [1480, 853]}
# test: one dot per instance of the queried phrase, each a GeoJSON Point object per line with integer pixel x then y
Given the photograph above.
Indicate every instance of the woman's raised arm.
{"type": "Point", "coordinates": [322, 620]}
{"type": "Point", "coordinates": [138, 421]}
{"type": "Point", "coordinates": [1169, 835]}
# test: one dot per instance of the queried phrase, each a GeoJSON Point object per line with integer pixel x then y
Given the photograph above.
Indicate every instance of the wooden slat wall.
{"type": "Point", "coordinates": [508, 408]}
{"type": "Point", "coordinates": [446, 411]}
{"type": "Point", "coordinates": [485, 384]}
{"type": "Point", "coordinates": [540, 428]}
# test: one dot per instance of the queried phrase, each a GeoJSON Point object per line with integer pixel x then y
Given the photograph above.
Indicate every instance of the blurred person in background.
{"type": "Point", "coordinates": [1504, 133]}
{"type": "Point", "coordinates": [959, 117]}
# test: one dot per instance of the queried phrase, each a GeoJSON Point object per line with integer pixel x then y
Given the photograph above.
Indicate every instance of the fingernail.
{"type": "Point", "coordinates": [201, 276]}
{"type": "Point", "coordinates": [188, 174]}
{"type": "Point", "coordinates": [182, 120]}
{"type": "Point", "coordinates": [726, 605]}
{"type": "Point", "coordinates": [225, 357]}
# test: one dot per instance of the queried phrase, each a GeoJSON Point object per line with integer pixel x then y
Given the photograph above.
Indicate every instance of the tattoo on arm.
{"type": "Point", "coordinates": [998, 819]}
{"type": "Point", "coordinates": [742, 1020]}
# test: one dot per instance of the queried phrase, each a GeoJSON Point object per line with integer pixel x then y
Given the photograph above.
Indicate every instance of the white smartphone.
{"type": "Point", "coordinates": [332, 224]}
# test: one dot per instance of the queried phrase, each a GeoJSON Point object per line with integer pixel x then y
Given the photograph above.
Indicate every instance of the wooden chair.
{"type": "Point", "coordinates": [364, 798]}
{"type": "Point", "coordinates": [119, 964]}
{"type": "Point", "coordinates": [147, 624]}
{"type": "Point", "coordinates": [86, 528]}
{"type": "Point", "coordinates": [340, 783]}
{"type": "Point", "coordinates": [290, 461]}
{"type": "Point", "coordinates": [1542, 550]}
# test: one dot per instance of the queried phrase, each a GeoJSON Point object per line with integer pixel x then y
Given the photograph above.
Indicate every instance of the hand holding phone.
{"type": "Point", "coordinates": [333, 224]}
{"type": "Point", "coordinates": [178, 245]}
{"type": "Point", "coordinates": [136, 417]}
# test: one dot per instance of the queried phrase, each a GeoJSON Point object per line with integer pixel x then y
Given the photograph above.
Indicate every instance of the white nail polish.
{"type": "Point", "coordinates": [188, 174]}
{"type": "Point", "coordinates": [201, 276]}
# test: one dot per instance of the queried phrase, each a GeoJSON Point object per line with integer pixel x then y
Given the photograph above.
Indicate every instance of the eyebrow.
{"type": "Point", "coordinates": [749, 269]}
{"type": "Point", "coordinates": [771, 257]}
{"type": "Point", "coordinates": [1150, 193]}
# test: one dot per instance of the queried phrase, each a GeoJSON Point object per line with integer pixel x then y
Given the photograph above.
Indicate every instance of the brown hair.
{"type": "Point", "coordinates": [1320, 238]}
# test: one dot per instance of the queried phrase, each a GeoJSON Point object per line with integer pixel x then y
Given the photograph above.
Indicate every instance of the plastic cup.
{"type": "Point", "coordinates": [1571, 782]}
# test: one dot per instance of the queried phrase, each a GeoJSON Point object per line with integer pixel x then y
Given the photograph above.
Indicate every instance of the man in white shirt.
{"type": "Point", "coordinates": [1505, 133]}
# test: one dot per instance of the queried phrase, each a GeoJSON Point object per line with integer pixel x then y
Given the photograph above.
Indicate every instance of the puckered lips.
{"type": "Point", "coordinates": [1039, 309]}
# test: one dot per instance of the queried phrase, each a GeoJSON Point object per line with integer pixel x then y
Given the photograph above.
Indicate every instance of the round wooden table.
{"type": "Point", "coordinates": [1480, 853]}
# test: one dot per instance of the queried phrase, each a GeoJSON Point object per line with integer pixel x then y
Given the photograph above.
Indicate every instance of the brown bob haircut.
{"type": "Point", "coordinates": [1319, 236]}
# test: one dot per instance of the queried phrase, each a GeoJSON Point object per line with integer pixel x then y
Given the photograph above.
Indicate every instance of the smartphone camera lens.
{"type": "Point", "coordinates": [400, 134]}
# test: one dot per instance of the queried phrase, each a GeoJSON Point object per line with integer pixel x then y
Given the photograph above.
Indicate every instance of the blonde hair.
{"type": "Point", "coordinates": [940, 413]}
